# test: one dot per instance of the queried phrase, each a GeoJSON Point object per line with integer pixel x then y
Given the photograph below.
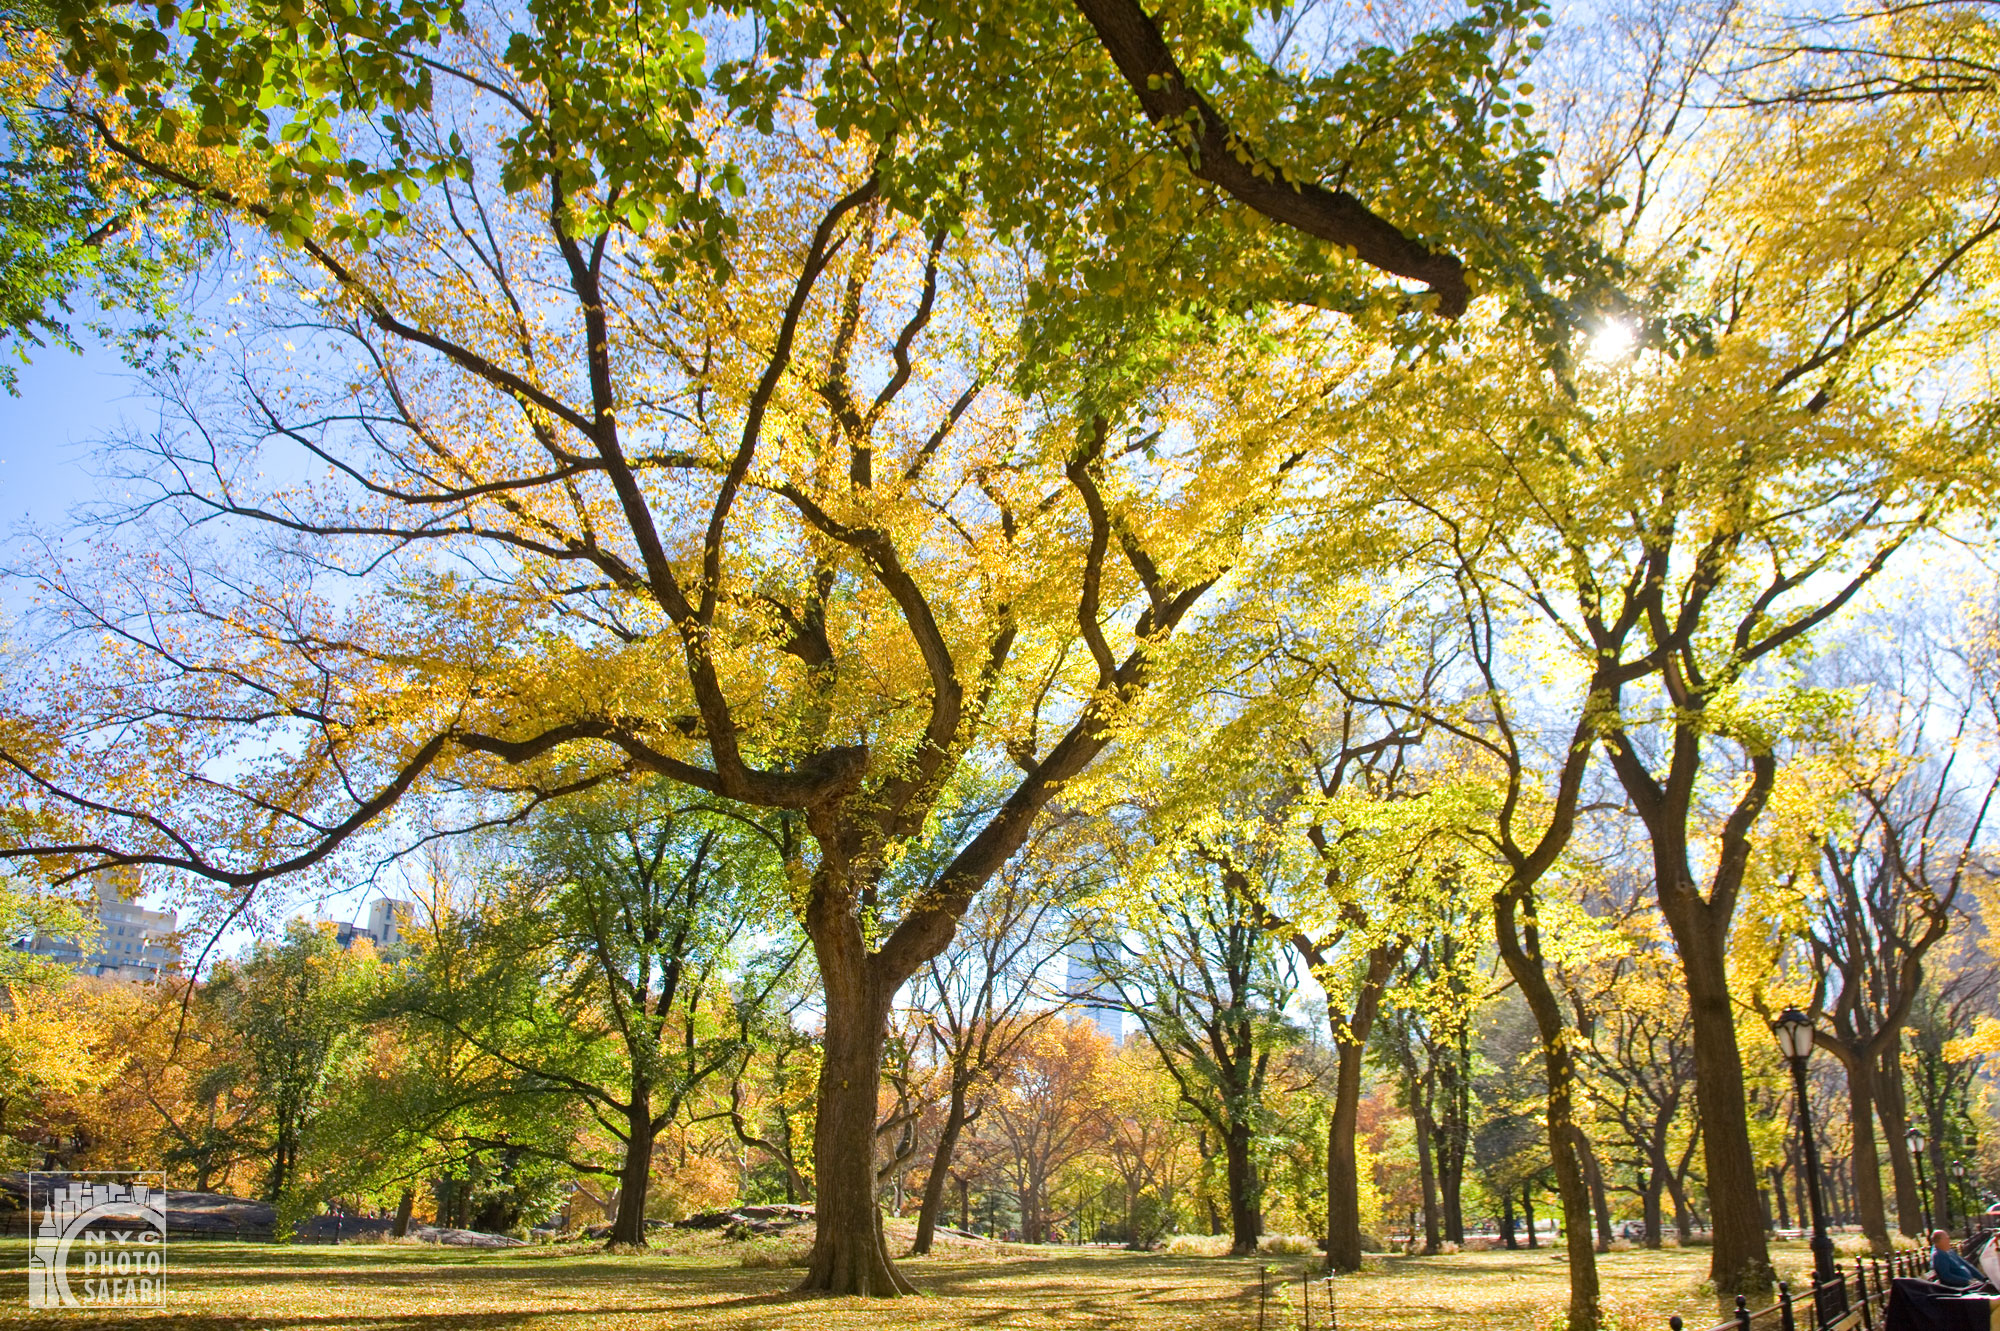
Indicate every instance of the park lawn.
{"type": "Point", "coordinates": [366, 1286]}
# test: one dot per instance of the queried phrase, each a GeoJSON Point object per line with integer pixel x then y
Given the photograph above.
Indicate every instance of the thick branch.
{"type": "Point", "coordinates": [1212, 151]}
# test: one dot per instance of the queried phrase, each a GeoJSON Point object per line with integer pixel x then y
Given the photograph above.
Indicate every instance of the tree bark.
{"type": "Point", "coordinates": [1892, 1105]}
{"type": "Point", "coordinates": [1740, 1260]}
{"type": "Point", "coordinates": [628, 1227]}
{"type": "Point", "coordinates": [1600, 1203]}
{"type": "Point", "coordinates": [1683, 1213]}
{"type": "Point", "coordinates": [404, 1206]}
{"type": "Point", "coordinates": [1455, 1135]}
{"type": "Point", "coordinates": [1426, 1174]}
{"type": "Point", "coordinates": [1656, 1180]}
{"type": "Point", "coordinates": [1343, 1179]}
{"type": "Point", "coordinates": [1215, 154]}
{"type": "Point", "coordinates": [927, 1213]}
{"type": "Point", "coordinates": [849, 1253]}
{"type": "Point", "coordinates": [1867, 1163]}
{"type": "Point", "coordinates": [1778, 1197]}
{"type": "Point", "coordinates": [1520, 946]}
{"type": "Point", "coordinates": [1246, 1211]}
{"type": "Point", "coordinates": [1507, 1218]}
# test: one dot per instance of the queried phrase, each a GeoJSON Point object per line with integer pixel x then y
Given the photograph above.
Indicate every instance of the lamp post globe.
{"type": "Point", "coordinates": [1794, 1030]}
{"type": "Point", "coordinates": [1795, 1034]}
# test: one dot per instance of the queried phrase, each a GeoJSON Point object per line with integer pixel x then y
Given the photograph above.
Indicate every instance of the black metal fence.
{"type": "Point", "coordinates": [1848, 1301]}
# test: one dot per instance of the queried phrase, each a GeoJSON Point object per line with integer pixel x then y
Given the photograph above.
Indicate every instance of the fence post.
{"type": "Point", "coordinates": [1332, 1309]}
{"type": "Point", "coordinates": [1306, 1289]}
{"type": "Point", "coordinates": [1674, 1323]}
{"type": "Point", "coordinates": [1742, 1314]}
{"type": "Point", "coordinates": [1785, 1322]}
{"type": "Point", "coordinates": [1861, 1280]}
{"type": "Point", "coordinates": [1262, 1272]}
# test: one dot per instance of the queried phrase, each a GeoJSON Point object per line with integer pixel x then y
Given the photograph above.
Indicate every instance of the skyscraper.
{"type": "Point", "coordinates": [1084, 984]}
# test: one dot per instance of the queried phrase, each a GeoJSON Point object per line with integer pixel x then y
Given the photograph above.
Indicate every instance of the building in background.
{"type": "Point", "coordinates": [388, 922]}
{"type": "Point", "coordinates": [132, 943]}
{"type": "Point", "coordinates": [1096, 999]}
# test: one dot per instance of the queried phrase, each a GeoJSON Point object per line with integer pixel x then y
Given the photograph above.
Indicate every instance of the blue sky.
{"type": "Point", "coordinates": [67, 404]}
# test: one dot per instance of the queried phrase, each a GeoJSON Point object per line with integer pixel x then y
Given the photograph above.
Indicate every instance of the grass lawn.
{"type": "Point", "coordinates": [360, 1287]}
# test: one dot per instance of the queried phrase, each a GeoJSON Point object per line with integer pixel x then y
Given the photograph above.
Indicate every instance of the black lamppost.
{"type": "Point", "coordinates": [1795, 1042]}
{"type": "Point", "coordinates": [1957, 1186]}
{"type": "Point", "coordinates": [1915, 1137]}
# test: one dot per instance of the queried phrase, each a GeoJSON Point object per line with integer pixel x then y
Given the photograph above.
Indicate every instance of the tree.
{"type": "Point", "coordinates": [985, 574]}
{"type": "Point", "coordinates": [1147, 1143]}
{"type": "Point", "coordinates": [604, 965]}
{"type": "Point", "coordinates": [552, 289]}
{"type": "Point", "coordinates": [184, 1095]}
{"type": "Point", "coordinates": [974, 997]}
{"type": "Point", "coordinates": [1314, 790]}
{"type": "Point", "coordinates": [1424, 1040]}
{"type": "Point", "coordinates": [75, 222]}
{"type": "Point", "coordinates": [1050, 1110]}
{"type": "Point", "coordinates": [1639, 1062]}
{"type": "Point", "coordinates": [1888, 890]}
{"type": "Point", "coordinates": [296, 1004]}
{"type": "Point", "coordinates": [1943, 1071]}
{"type": "Point", "coordinates": [1183, 947]}
{"type": "Point", "coordinates": [1686, 515]}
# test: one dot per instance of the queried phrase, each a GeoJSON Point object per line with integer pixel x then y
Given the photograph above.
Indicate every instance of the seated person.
{"type": "Point", "coordinates": [1951, 1270]}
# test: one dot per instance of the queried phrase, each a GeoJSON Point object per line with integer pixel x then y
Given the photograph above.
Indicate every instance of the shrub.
{"type": "Point", "coordinates": [1199, 1245]}
{"type": "Point", "coordinates": [1288, 1245]}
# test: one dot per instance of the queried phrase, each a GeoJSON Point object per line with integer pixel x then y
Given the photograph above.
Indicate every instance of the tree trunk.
{"type": "Point", "coordinates": [927, 1213]}
{"type": "Point", "coordinates": [849, 1253]}
{"type": "Point", "coordinates": [1656, 1180]}
{"type": "Point", "coordinates": [1520, 946]}
{"type": "Point", "coordinates": [1740, 1260]}
{"type": "Point", "coordinates": [1867, 1164]}
{"type": "Point", "coordinates": [1343, 1179]}
{"type": "Point", "coordinates": [1683, 1213]}
{"type": "Point", "coordinates": [1426, 1175]}
{"type": "Point", "coordinates": [1507, 1218]}
{"type": "Point", "coordinates": [1454, 1137]}
{"type": "Point", "coordinates": [404, 1206]}
{"type": "Point", "coordinates": [628, 1227]}
{"type": "Point", "coordinates": [1528, 1214]}
{"type": "Point", "coordinates": [1893, 1107]}
{"type": "Point", "coordinates": [1600, 1203]}
{"type": "Point", "coordinates": [1246, 1212]}
{"type": "Point", "coordinates": [1778, 1196]}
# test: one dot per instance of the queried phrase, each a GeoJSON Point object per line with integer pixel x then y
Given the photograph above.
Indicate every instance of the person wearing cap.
{"type": "Point", "coordinates": [1951, 1270]}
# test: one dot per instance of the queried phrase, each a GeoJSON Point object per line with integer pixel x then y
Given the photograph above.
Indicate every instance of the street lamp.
{"type": "Point", "coordinates": [1915, 1137]}
{"type": "Point", "coordinates": [1958, 1186]}
{"type": "Point", "coordinates": [1795, 1042]}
